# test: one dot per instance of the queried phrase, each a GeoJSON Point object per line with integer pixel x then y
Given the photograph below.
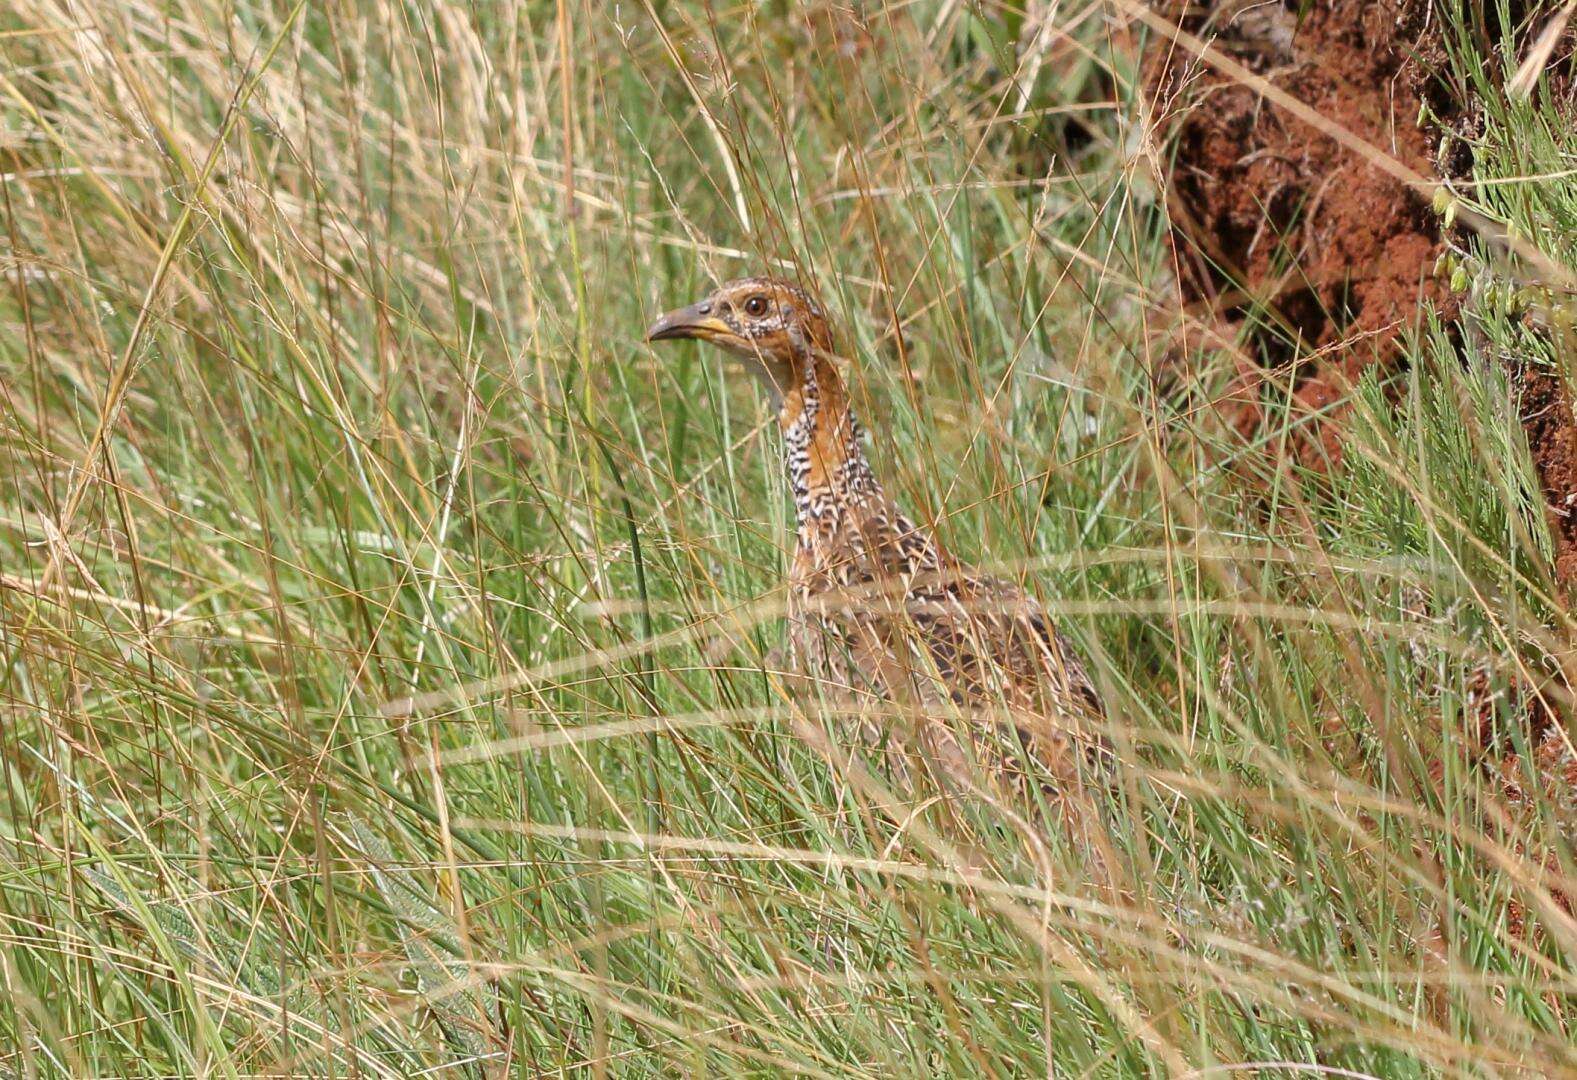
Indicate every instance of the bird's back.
{"type": "Point", "coordinates": [881, 615]}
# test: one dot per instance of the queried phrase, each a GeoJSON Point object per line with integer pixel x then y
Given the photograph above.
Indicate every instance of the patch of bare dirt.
{"type": "Point", "coordinates": [1546, 411]}
{"type": "Point", "coordinates": [1299, 247]}
{"type": "Point", "coordinates": [1279, 231]}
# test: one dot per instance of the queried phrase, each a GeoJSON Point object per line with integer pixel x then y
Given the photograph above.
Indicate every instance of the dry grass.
{"type": "Point", "coordinates": [385, 630]}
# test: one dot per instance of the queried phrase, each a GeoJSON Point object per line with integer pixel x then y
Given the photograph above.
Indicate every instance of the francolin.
{"type": "Point", "coordinates": [879, 613]}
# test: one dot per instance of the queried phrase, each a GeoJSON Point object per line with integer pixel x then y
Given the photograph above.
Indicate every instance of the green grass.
{"type": "Point", "coordinates": [323, 390]}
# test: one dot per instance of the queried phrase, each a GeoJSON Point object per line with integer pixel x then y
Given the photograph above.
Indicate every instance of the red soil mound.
{"type": "Point", "coordinates": [1275, 223]}
{"type": "Point", "coordinates": [1301, 248]}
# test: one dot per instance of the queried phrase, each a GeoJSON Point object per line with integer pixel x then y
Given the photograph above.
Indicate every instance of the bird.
{"type": "Point", "coordinates": [975, 675]}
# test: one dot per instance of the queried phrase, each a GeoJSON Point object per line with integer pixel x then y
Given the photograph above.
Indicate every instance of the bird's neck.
{"type": "Point", "coordinates": [827, 470]}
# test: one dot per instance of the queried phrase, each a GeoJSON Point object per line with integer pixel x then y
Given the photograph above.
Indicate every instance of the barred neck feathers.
{"type": "Point", "coordinates": [827, 469]}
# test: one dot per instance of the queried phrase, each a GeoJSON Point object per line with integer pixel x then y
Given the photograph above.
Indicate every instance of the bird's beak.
{"type": "Point", "coordinates": [689, 322]}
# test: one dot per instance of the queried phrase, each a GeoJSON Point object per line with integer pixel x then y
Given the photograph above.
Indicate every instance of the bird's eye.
{"type": "Point", "coordinates": [756, 306]}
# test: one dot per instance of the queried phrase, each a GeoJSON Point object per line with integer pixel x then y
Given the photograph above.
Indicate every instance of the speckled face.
{"type": "Point", "coordinates": [759, 317]}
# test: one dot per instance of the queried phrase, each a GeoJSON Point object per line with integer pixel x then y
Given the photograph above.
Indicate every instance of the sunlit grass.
{"type": "Point", "coordinates": [388, 637]}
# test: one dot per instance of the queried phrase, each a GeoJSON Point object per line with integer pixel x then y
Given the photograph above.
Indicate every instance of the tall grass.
{"type": "Point", "coordinates": [388, 637]}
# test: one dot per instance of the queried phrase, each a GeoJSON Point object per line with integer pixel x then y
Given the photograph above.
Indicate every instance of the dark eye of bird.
{"type": "Point", "coordinates": [756, 306]}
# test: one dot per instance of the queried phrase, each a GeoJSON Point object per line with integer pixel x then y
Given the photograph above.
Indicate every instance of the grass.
{"type": "Point", "coordinates": [387, 633]}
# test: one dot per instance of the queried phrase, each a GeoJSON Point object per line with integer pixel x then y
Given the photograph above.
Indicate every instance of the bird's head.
{"type": "Point", "coordinates": [767, 321]}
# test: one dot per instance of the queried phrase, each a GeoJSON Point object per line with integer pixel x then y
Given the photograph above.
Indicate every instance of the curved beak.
{"type": "Point", "coordinates": [694, 321]}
